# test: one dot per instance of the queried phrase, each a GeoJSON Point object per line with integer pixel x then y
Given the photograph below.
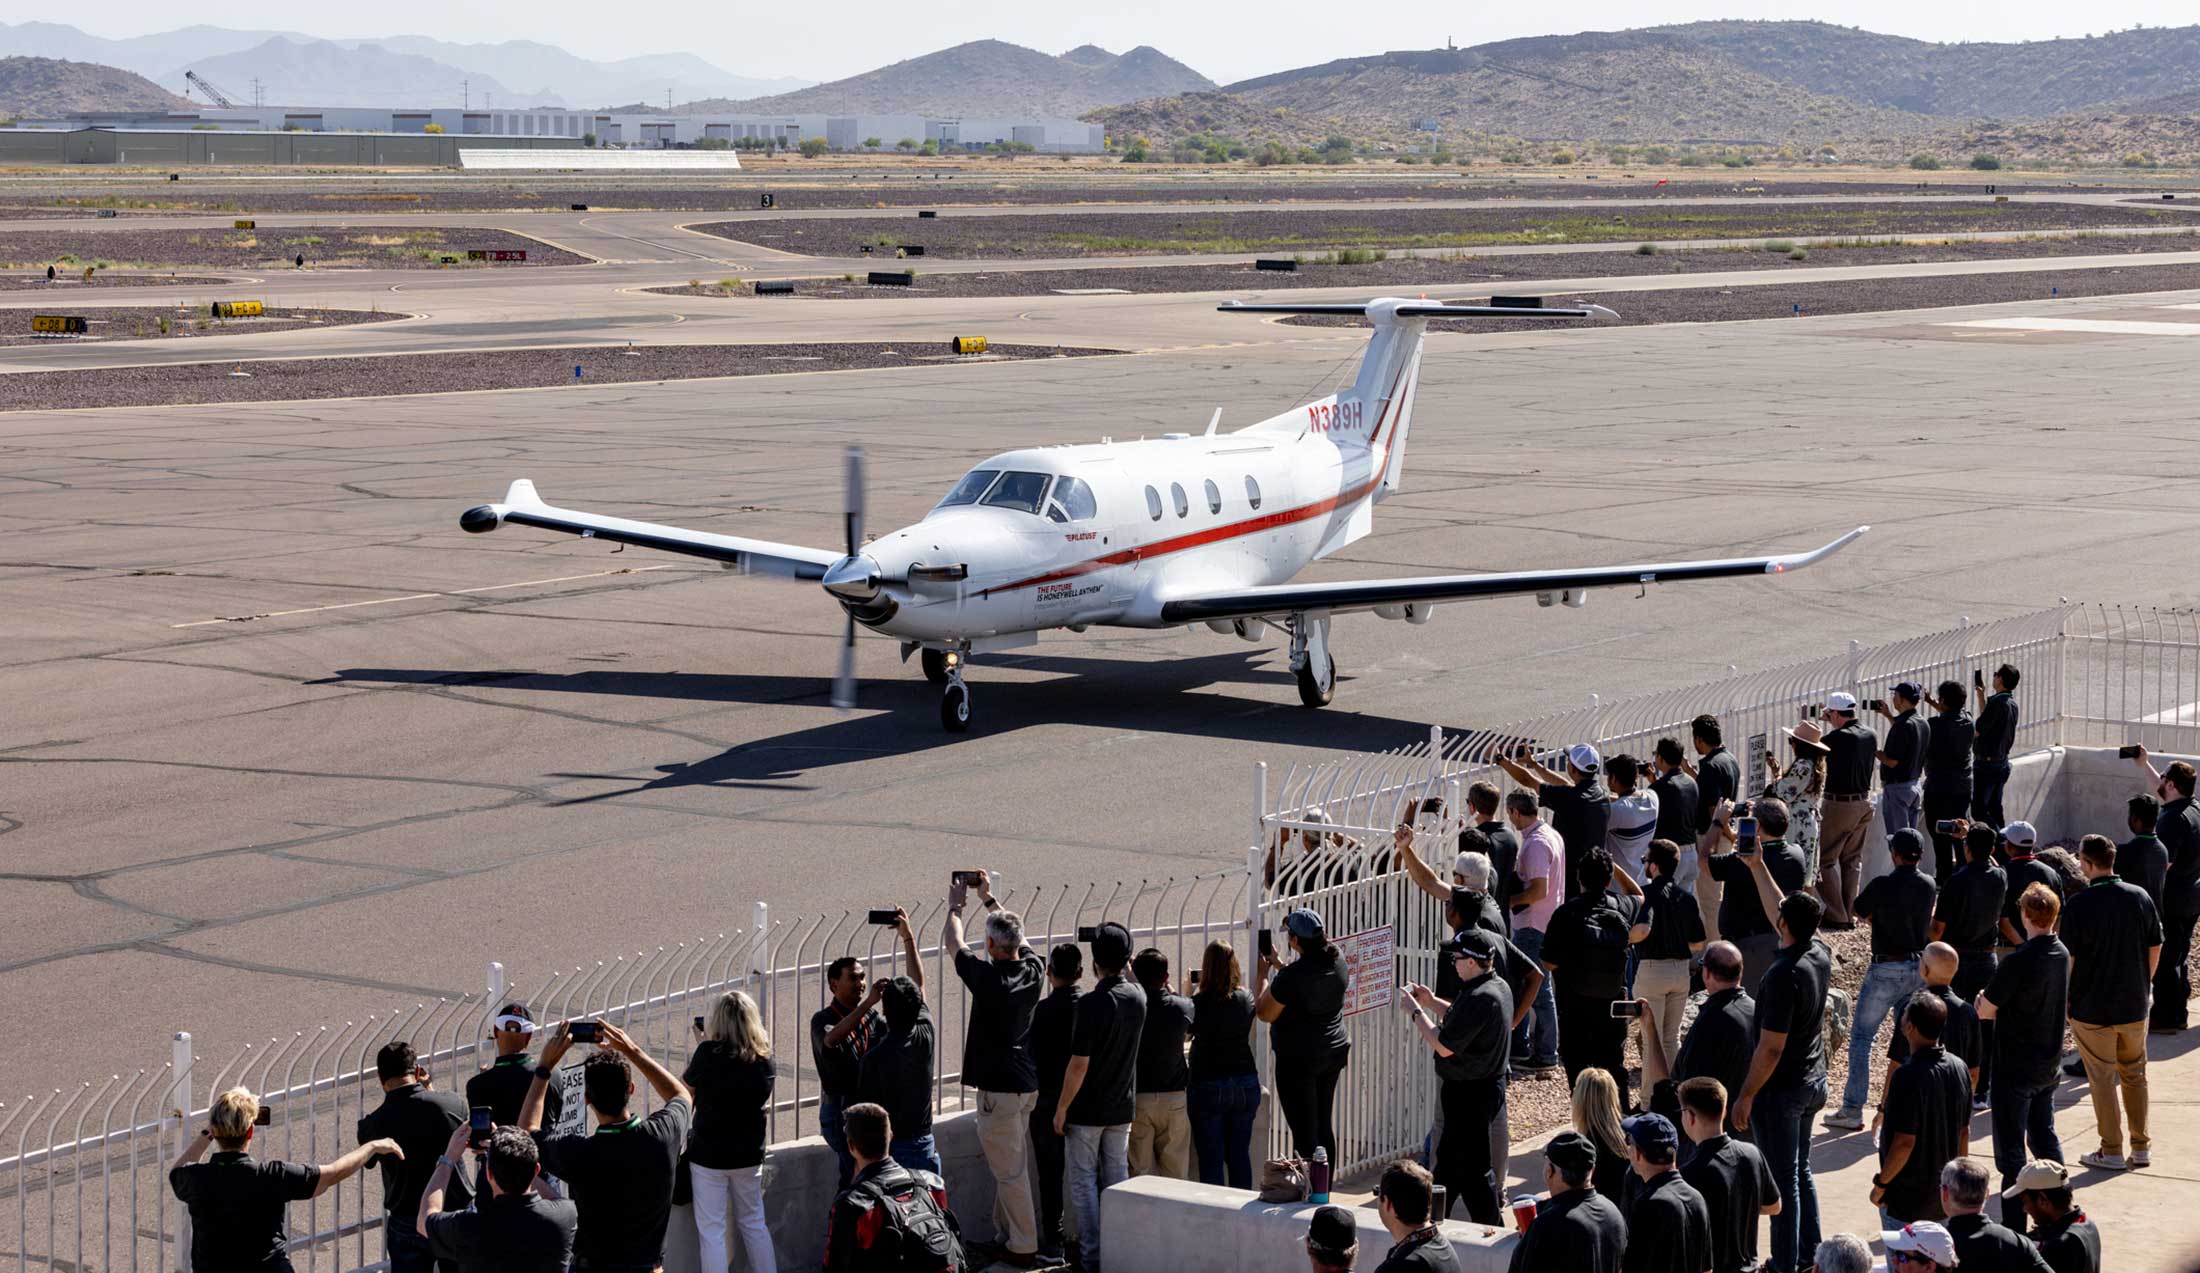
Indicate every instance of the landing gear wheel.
{"type": "Point", "coordinates": [955, 708]}
{"type": "Point", "coordinates": [1313, 693]}
{"type": "Point", "coordinates": [935, 666]}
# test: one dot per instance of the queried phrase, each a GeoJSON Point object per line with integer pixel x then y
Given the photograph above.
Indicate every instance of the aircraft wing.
{"type": "Point", "coordinates": [523, 507]}
{"type": "Point", "coordinates": [1367, 594]}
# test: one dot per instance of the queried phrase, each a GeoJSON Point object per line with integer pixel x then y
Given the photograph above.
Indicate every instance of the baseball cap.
{"type": "Point", "coordinates": [1304, 924]}
{"type": "Point", "coordinates": [1910, 691]}
{"type": "Point", "coordinates": [1651, 1131]}
{"type": "Point", "coordinates": [1926, 1239]}
{"type": "Point", "coordinates": [2022, 834]}
{"type": "Point", "coordinates": [1111, 945]}
{"type": "Point", "coordinates": [1584, 757]}
{"type": "Point", "coordinates": [1571, 1152]}
{"type": "Point", "coordinates": [1332, 1231]}
{"type": "Point", "coordinates": [1474, 943]}
{"type": "Point", "coordinates": [2040, 1173]}
{"type": "Point", "coordinates": [1908, 841]}
{"type": "Point", "coordinates": [1840, 702]}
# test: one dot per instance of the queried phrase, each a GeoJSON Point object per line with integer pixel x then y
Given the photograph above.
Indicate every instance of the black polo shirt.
{"type": "Point", "coordinates": [2179, 827]}
{"type": "Point", "coordinates": [1986, 1247]}
{"type": "Point", "coordinates": [1478, 1030]}
{"type": "Point", "coordinates": [1312, 992]}
{"type": "Point", "coordinates": [621, 1180]}
{"type": "Point", "coordinates": [1676, 921]}
{"type": "Point", "coordinates": [1168, 1025]}
{"type": "Point", "coordinates": [2108, 928]}
{"type": "Point", "coordinates": [1905, 746]}
{"type": "Point", "coordinates": [1741, 911]}
{"type": "Point", "coordinates": [2143, 860]}
{"type": "Point", "coordinates": [515, 1233]}
{"type": "Point", "coordinates": [1948, 751]}
{"type": "Point", "coordinates": [997, 1046]}
{"type": "Point", "coordinates": [1718, 777]}
{"type": "Point", "coordinates": [421, 1122]}
{"type": "Point", "coordinates": [1447, 979]}
{"type": "Point", "coordinates": [1052, 1023]}
{"type": "Point", "coordinates": [1505, 857]}
{"type": "Point", "coordinates": [2030, 993]}
{"type": "Point", "coordinates": [1718, 1044]}
{"type": "Point", "coordinates": [2023, 872]}
{"type": "Point", "coordinates": [1855, 758]}
{"type": "Point", "coordinates": [1959, 1038]}
{"type": "Point", "coordinates": [2069, 1245]}
{"type": "Point", "coordinates": [1477, 909]}
{"type": "Point", "coordinates": [1677, 800]}
{"type": "Point", "coordinates": [1996, 730]}
{"type": "Point", "coordinates": [1426, 1250]}
{"type": "Point", "coordinates": [1899, 905]}
{"type": "Point", "coordinates": [1587, 944]}
{"type": "Point", "coordinates": [503, 1088]}
{"type": "Point", "coordinates": [898, 1073]}
{"type": "Point", "coordinates": [1514, 967]}
{"type": "Point", "coordinates": [1735, 1184]}
{"type": "Point", "coordinates": [1109, 1022]}
{"type": "Point", "coordinates": [1791, 1000]}
{"type": "Point", "coordinates": [840, 1067]}
{"type": "Point", "coordinates": [1929, 1097]}
{"type": "Point", "coordinates": [238, 1207]}
{"type": "Point", "coordinates": [1579, 1231]}
{"type": "Point", "coordinates": [1970, 907]}
{"type": "Point", "coordinates": [1668, 1225]}
{"type": "Point", "coordinates": [1580, 813]}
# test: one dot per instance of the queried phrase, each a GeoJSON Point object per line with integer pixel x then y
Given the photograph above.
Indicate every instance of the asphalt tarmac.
{"type": "Point", "coordinates": [283, 746]}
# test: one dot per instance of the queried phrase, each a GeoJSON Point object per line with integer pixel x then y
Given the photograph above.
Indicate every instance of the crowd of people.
{"type": "Point", "coordinates": [1674, 897]}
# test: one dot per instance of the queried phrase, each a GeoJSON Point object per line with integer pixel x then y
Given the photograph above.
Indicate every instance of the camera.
{"type": "Point", "coordinates": [265, 1118]}
{"type": "Point", "coordinates": [1626, 1008]}
{"type": "Point", "coordinates": [584, 1031]}
{"type": "Point", "coordinates": [482, 1118]}
{"type": "Point", "coordinates": [1811, 710]}
{"type": "Point", "coordinates": [2128, 753]}
{"type": "Point", "coordinates": [884, 918]}
{"type": "Point", "coordinates": [1875, 704]}
{"type": "Point", "coordinates": [1087, 932]}
{"type": "Point", "coordinates": [964, 879]}
{"type": "Point", "coordinates": [1946, 826]}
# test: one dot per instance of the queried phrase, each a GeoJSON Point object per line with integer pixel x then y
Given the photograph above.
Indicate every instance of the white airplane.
{"type": "Point", "coordinates": [1180, 529]}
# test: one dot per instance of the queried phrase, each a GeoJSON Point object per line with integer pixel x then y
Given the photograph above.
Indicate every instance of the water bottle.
{"type": "Point", "coordinates": [1317, 1177]}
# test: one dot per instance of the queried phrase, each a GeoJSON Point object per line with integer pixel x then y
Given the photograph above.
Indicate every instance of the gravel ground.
{"type": "Point", "coordinates": [1418, 271]}
{"type": "Point", "coordinates": [1859, 296]}
{"type": "Point", "coordinates": [148, 322]}
{"type": "Point", "coordinates": [289, 379]}
{"type": "Point", "coordinates": [1119, 234]}
{"type": "Point", "coordinates": [72, 282]}
{"type": "Point", "coordinates": [409, 248]}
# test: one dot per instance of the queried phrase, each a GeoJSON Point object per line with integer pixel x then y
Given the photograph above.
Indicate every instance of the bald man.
{"type": "Point", "coordinates": [1960, 1038]}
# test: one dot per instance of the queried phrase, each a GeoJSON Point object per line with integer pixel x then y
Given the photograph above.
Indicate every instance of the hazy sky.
{"type": "Point", "coordinates": [1226, 41]}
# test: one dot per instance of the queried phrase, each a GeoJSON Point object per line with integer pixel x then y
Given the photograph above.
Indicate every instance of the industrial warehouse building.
{"type": "Point", "coordinates": [183, 147]}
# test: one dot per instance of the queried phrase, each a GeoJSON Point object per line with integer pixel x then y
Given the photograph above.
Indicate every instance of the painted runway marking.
{"type": "Point", "coordinates": [417, 596]}
{"type": "Point", "coordinates": [2104, 326]}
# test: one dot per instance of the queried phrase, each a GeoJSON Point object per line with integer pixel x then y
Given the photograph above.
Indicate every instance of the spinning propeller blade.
{"type": "Point", "coordinates": [844, 682]}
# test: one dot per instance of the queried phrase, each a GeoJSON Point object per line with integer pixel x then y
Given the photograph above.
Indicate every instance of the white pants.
{"type": "Point", "coordinates": [745, 1186]}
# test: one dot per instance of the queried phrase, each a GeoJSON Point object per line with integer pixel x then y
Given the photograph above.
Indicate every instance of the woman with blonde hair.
{"type": "Point", "coordinates": [731, 1075]}
{"type": "Point", "coordinates": [1596, 1115]}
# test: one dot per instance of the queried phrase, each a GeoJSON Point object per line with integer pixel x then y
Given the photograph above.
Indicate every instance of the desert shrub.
{"type": "Point", "coordinates": [1646, 249]}
{"type": "Point", "coordinates": [1925, 163]}
{"type": "Point", "coordinates": [1986, 163]}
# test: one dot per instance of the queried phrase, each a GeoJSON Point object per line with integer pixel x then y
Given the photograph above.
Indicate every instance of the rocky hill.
{"type": "Point", "coordinates": [993, 77]}
{"type": "Point", "coordinates": [36, 86]}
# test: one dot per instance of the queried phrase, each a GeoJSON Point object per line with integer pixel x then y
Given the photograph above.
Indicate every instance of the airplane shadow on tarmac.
{"type": "Point", "coordinates": [900, 717]}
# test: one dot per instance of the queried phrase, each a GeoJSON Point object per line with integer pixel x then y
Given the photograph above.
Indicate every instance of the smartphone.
{"type": "Point", "coordinates": [483, 1118]}
{"type": "Point", "coordinates": [1812, 710]}
{"type": "Point", "coordinates": [1978, 678]}
{"type": "Point", "coordinates": [1268, 942]}
{"type": "Point", "coordinates": [964, 879]}
{"type": "Point", "coordinates": [1088, 932]}
{"type": "Point", "coordinates": [265, 1118]}
{"type": "Point", "coordinates": [1195, 979]}
{"type": "Point", "coordinates": [698, 1025]}
{"type": "Point", "coordinates": [1946, 826]}
{"type": "Point", "coordinates": [2128, 753]}
{"type": "Point", "coordinates": [884, 918]}
{"type": "Point", "coordinates": [1745, 835]}
{"type": "Point", "coordinates": [1626, 1008]}
{"type": "Point", "coordinates": [1875, 704]}
{"type": "Point", "coordinates": [583, 1031]}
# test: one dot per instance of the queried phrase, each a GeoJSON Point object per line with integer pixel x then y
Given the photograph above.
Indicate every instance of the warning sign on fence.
{"type": "Point", "coordinates": [1371, 961]}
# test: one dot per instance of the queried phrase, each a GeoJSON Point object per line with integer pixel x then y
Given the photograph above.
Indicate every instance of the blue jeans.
{"type": "Point", "coordinates": [1781, 1121]}
{"type": "Point", "coordinates": [831, 1110]}
{"type": "Point", "coordinates": [1536, 1041]}
{"type": "Point", "coordinates": [917, 1153]}
{"type": "Point", "coordinates": [1898, 805]}
{"type": "Point", "coordinates": [1887, 987]}
{"type": "Point", "coordinates": [1099, 1158]}
{"type": "Point", "coordinates": [1222, 1128]}
{"type": "Point", "coordinates": [2024, 1116]}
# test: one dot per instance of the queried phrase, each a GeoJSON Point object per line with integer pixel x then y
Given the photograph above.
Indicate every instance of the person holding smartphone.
{"type": "Point", "coordinates": [511, 1228]}
{"type": "Point", "coordinates": [1472, 1046]}
{"type": "Point", "coordinates": [621, 1177]}
{"type": "Point", "coordinates": [1948, 743]}
{"type": "Point", "coordinates": [503, 1086]}
{"type": "Point", "coordinates": [1995, 738]}
{"type": "Point", "coordinates": [732, 1076]}
{"type": "Point", "coordinates": [1004, 982]}
{"type": "Point", "coordinates": [420, 1120]}
{"type": "Point", "coordinates": [239, 1205]}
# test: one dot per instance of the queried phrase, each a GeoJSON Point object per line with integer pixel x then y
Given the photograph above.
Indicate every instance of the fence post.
{"type": "Point", "coordinates": [1855, 684]}
{"type": "Point", "coordinates": [1260, 802]}
{"type": "Point", "coordinates": [760, 954]}
{"type": "Point", "coordinates": [180, 1090]}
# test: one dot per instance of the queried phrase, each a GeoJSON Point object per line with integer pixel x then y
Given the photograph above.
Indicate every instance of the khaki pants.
{"type": "Point", "coordinates": [1708, 890]}
{"type": "Point", "coordinates": [1664, 984]}
{"type": "Point", "coordinates": [2116, 1055]}
{"type": "Point", "coordinates": [1003, 1133]}
{"type": "Point", "coordinates": [1161, 1136]}
{"type": "Point", "coordinates": [1841, 856]}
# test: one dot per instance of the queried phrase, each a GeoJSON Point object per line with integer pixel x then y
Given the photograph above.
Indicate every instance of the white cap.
{"type": "Point", "coordinates": [2022, 834]}
{"type": "Point", "coordinates": [1584, 757]}
{"type": "Point", "coordinates": [1841, 702]}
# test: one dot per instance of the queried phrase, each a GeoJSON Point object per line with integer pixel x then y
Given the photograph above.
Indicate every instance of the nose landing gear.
{"type": "Point", "coordinates": [945, 668]}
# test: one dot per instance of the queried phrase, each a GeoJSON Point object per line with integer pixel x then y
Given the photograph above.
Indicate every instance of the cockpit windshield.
{"type": "Point", "coordinates": [1021, 491]}
{"type": "Point", "coordinates": [970, 488]}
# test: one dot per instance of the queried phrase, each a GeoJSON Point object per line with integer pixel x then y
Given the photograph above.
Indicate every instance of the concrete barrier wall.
{"type": "Point", "coordinates": [1185, 1227]}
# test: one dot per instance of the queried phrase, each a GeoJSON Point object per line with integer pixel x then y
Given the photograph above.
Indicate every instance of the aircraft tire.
{"type": "Point", "coordinates": [1311, 692]}
{"type": "Point", "coordinates": [955, 708]}
{"type": "Point", "coordinates": [935, 665]}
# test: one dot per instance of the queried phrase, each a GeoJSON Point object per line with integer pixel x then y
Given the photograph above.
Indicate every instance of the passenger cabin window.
{"type": "Point", "coordinates": [1021, 491]}
{"type": "Point", "coordinates": [970, 488]}
{"type": "Point", "coordinates": [1252, 491]}
{"type": "Point", "coordinates": [1153, 503]}
{"type": "Point", "coordinates": [1183, 506]}
{"type": "Point", "coordinates": [1214, 497]}
{"type": "Point", "coordinates": [1073, 502]}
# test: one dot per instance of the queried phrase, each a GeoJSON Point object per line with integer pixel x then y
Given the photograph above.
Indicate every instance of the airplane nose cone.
{"type": "Point", "coordinates": [854, 578]}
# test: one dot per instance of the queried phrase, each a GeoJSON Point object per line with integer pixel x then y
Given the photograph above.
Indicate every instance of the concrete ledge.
{"type": "Point", "coordinates": [1186, 1227]}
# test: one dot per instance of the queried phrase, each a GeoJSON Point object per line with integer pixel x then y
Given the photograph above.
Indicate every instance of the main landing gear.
{"type": "Point", "coordinates": [945, 668]}
{"type": "Point", "coordinates": [1311, 660]}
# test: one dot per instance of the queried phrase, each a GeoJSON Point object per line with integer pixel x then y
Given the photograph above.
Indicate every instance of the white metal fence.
{"type": "Point", "coordinates": [85, 1182]}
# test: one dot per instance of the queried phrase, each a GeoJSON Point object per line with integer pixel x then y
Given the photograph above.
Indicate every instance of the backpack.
{"type": "Point", "coordinates": [927, 1237]}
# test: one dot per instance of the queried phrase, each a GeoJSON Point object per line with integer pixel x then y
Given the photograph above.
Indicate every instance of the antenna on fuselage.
{"type": "Point", "coordinates": [1217, 420]}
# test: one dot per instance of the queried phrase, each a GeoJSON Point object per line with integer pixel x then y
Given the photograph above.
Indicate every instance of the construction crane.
{"type": "Point", "coordinates": [213, 94]}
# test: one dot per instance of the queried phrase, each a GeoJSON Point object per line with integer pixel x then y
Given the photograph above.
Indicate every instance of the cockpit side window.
{"type": "Point", "coordinates": [1021, 491]}
{"type": "Point", "coordinates": [1072, 502]}
{"type": "Point", "coordinates": [970, 488]}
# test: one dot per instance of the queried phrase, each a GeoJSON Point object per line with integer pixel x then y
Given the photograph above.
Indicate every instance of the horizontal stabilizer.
{"type": "Point", "coordinates": [1418, 309]}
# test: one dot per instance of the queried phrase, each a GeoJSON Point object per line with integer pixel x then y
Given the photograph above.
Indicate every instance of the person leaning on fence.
{"type": "Point", "coordinates": [2178, 825]}
{"type": "Point", "coordinates": [2066, 1239]}
{"type": "Point", "coordinates": [1471, 900]}
{"type": "Point", "coordinates": [1845, 814]}
{"type": "Point", "coordinates": [2143, 860]}
{"type": "Point", "coordinates": [1098, 1100]}
{"type": "Point", "coordinates": [1332, 1241]}
{"type": "Point", "coordinates": [1786, 1086]}
{"type": "Point", "coordinates": [1581, 808]}
{"type": "Point", "coordinates": [1718, 780]}
{"type": "Point", "coordinates": [1224, 1095]}
{"type": "Point", "coordinates": [1948, 738]}
{"type": "Point", "coordinates": [1718, 1046]}
{"type": "Point", "coordinates": [897, 1070]}
{"type": "Point", "coordinates": [420, 1120]}
{"type": "Point", "coordinates": [1994, 737]}
{"type": "Point", "coordinates": [1899, 907]}
{"type": "Point", "coordinates": [840, 1033]}
{"type": "Point", "coordinates": [1542, 871]}
{"type": "Point", "coordinates": [621, 1177]}
{"type": "Point", "coordinates": [1755, 879]}
{"type": "Point", "coordinates": [1004, 984]}
{"type": "Point", "coordinates": [1800, 786]}
{"type": "Point", "coordinates": [1471, 1036]}
{"type": "Point", "coordinates": [1303, 1004]}
{"type": "Point", "coordinates": [890, 1218]}
{"type": "Point", "coordinates": [1731, 1175]}
{"type": "Point", "coordinates": [2115, 942]}
{"type": "Point", "coordinates": [1405, 1200]}
{"type": "Point", "coordinates": [238, 1205]}
{"type": "Point", "coordinates": [1902, 761]}
{"type": "Point", "coordinates": [1161, 1122]}
{"type": "Point", "coordinates": [1576, 1229]}
{"type": "Point", "coordinates": [1052, 1024]}
{"type": "Point", "coordinates": [511, 1228]}
{"type": "Point", "coordinates": [1927, 1110]}
{"type": "Point", "coordinates": [1677, 796]}
{"type": "Point", "coordinates": [1668, 1221]}
{"type": "Point", "coordinates": [503, 1086]}
{"type": "Point", "coordinates": [1667, 935]}
{"type": "Point", "coordinates": [731, 1076]}
{"type": "Point", "coordinates": [1587, 947]}
{"type": "Point", "coordinates": [2028, 1002]}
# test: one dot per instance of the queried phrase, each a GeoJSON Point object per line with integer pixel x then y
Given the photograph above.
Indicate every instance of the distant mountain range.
{"type": "Point", "coordinates": [991, 77]}
{"type": "Point", "coordinates": [52, 86]}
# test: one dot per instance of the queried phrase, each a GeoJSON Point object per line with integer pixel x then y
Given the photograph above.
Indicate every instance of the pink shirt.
{"type": "Point", "coordinates": [1542, 857]}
